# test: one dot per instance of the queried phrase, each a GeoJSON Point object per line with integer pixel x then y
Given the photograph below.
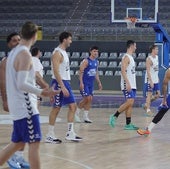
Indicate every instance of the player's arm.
{"type": "Point", "coordinates": [148, 66]}
{"type": "Point", "coordinates": [98, 80]}
{"type": "Point", "coordinates": [165, 85]}
{"type": "Point", "coordinates": [56, 60]}
{"type": "Point", "coordinates": [22, 65]}
{"type": "Point", "coordinates": [124, 65]}
{"type": "Point", "coordinates": [2, 81]}
{"type": "Point", "coordinates": [3, 84]}
{"type": "Point", "coordinates": [83, 65]}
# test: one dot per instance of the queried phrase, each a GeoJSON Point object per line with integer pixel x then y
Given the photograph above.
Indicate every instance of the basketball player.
{"type": "Point", "coordinates": [87, 74]}
{"type": "Point", "coordinates": [38, 67]}
{"type": "Point", "coordinates": [17, 160]}
{"type": "Point", "coordinates": [163, 108]}
{"type": "Point", "coordinates": [20, 87]}
{"type": "Point", "coordinates": [151, 79]}
{"type": "Point", "coordinates": [128, 87]}
{"type": "Point", "coordinates": [61, 79]}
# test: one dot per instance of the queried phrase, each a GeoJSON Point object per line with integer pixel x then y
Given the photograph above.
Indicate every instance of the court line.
{"type": "Point", "coordinates": [61, 158]}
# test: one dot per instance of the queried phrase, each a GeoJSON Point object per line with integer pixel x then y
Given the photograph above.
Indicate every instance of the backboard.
{"type": "Point", "coordinates": [146, 11]}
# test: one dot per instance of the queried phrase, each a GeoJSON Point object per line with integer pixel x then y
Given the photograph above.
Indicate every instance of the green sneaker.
{"type": "Point", "coordinates": [130, 127]}
{"type": "Point", "coordinates": [112, 120]}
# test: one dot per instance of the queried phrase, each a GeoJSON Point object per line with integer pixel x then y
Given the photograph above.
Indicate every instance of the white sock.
{"type": "Point", "coordinates": [86, 112]}
{"type": "Point", "coordinates": [151, 126]}
{"type": "Point", "coordinates": [148, 110]}
{"type": "Point", "coordinates": [70, 127]}
{"type": "Point", "coordinates": [20, 153]}
{"type": "Point", "coordinates": [78, 111]}
{"type": "Point", "coordinates": [51, 130]}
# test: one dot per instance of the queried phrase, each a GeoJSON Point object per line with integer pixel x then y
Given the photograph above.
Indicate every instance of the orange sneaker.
{"type": "Point", "coordinates": [143, 132]}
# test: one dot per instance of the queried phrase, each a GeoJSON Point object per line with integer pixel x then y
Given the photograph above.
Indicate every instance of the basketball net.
{"type": "Point", "coordinates": [131, 21]}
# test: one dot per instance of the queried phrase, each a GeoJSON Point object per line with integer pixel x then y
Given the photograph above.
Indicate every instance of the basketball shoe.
{"type": "Point", "coordinates": [143, 132]}
{"type": "Point", "coordinates": [71, 136]}
{"type": "Point", "coordinates": [50, 138]}
{"type": "Point", "coordinates": [130, 127]}
{"type": "Point", "coordinates": [112, 120]}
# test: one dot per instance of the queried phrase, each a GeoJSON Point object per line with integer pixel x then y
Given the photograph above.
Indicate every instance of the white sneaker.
{"type": "Point", "coordinates": [53, 140]}
{"type": "Point", "coordinates": [77, 118]}
{"type": "Point", "coordinates": [87, 120]}
{"type": "Point", "coordinates": [13, 163]}
{"type": "Point", "coordinates": [71, 136]}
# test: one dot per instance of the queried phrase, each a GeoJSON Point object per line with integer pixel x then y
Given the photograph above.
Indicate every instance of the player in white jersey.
{"type": "Point", "coordinates": [61, 80]}
{"type": "Point", "coordinates": [17, 160]}
{"type": "Point", "coordinates": [163, 108]}
{"type": "Point", "coordinates": [128, 87]}
{"type": "Point", "coordinates": [20, 87]}
{"type": "Point", "coordinates": [38, 67]}
{"type": "Point", "coordinates": [151, 78]}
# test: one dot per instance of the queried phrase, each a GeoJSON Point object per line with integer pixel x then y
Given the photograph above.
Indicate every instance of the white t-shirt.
{"type": "Point", "coordinates": [154, 69]}
{"type": "Point", "coordinates": [38, 67]}
{"type": "Point", "coordinates": [130, 72]}
{"type": "Point", "coordinates": [20, 103]}
{"type": "Point", "coordinates": [64, 67]}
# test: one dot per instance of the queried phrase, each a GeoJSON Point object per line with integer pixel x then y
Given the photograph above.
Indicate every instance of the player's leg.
{"type": "Point", "coordinates": [124, 107]}
{"type": "Point", "coordinates": [56, 105]}
{"type": "Point", "coordinates": [34, 157]}
{"type": "Point", "coordinates": [70, 101]}
{"type": "Point", "coordinates": [9, 150]}
{"type": "Point", "coordinates": [129, 125]}
{"type": "Point", "coordinates": [162, 111]}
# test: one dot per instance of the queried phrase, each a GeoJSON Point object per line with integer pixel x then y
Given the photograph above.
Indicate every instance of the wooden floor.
{"type": "Point", "coordinates": [103, 147]}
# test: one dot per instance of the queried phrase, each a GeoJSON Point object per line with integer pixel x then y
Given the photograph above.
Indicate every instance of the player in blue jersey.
{"type": "Point", "coordinates": [163, 108]}
{"type": "Point", "coordinates": [87, 74]}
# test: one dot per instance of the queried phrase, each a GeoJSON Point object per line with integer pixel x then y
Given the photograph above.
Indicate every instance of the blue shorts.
{"type": "Point", "coordinates": [129, 95]}
{"type": "Point", "coordinates": [88, 90]}
{"type": "Point", "coordinates": [154, 89]}
{"type": "Point", "coordinates": [27, 130]}
{"type": "Point", "coordinates": [60, 99]}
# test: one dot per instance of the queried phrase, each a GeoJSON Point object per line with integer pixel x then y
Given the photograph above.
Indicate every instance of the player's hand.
{"type": "Point", "coordinates": [52, 99]}
{"type": "Point", "coordinates": [50, 92]}
{"type": "Point", "coordinates": [152, 85]}
{"type": "Point", "coordinates": [81, 86]}
{"type": "Point", "coordinates": [65, 92]}
{"type": "Point", "coordinates": [128, 87]}
{"type": "Point", "coordinates": [100, 86]}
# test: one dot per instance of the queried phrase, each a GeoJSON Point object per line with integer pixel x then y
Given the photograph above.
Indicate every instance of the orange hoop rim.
{"type": "Point", "coordinates": [132, 19]}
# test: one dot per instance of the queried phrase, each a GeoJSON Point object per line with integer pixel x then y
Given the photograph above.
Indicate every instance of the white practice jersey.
{"type": "Point", "coordinates": [130, 72]}
{"type": "Point", "coordinates": [154, 69]}
{"type": "Point", "coordinates": [64, 68]}
{"type": "Point", "coordinates": [20, 103]}
{"type": "Point", "coordinates": [38, 67]}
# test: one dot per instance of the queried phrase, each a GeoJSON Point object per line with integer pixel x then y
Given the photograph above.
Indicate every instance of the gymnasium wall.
{"type": "Point", "coordinates": [109, 82]}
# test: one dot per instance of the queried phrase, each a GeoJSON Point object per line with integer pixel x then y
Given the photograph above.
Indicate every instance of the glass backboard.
{"type": "Point", "coordinates": [146, 11]}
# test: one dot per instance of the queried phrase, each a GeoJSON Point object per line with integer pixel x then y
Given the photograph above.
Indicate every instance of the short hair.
{"type": "Point", "coordinates": [34, 51]}
{"type": "Point", "coordinates": [28, 30]}
{"type": "Point", "coordinates": [129, 43]}
{"type": "Point", "coordinates": [64, 35]}
{"type": "Point", "coordinates": [10, 36]}
{"type": "Point", "coordinates": [94, 47]}
{"type": "Point", "coordinates": [152, 47]}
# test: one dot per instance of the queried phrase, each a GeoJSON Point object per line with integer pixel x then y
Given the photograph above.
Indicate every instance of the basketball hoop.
{"type": "Point", "coordinates": [131, 21]}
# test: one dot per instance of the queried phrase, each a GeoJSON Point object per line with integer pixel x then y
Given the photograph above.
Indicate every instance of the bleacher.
{"type": "Point", "coordinates": [87, 20]}
{"type": "Point", "coordinates": [108, 65]}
